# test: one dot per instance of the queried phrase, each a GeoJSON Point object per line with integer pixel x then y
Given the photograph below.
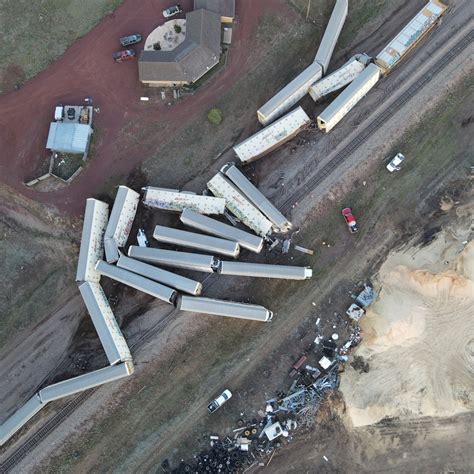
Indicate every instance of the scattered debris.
{"type": "Point", "coordinates": [303, 250]}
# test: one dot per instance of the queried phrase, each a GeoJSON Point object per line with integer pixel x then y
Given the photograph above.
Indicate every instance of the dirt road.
{"type": "Point", "coordinates": [86, 69]}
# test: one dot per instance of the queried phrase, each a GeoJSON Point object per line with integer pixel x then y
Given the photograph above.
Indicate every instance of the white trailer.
{"type": "Point", "coordinates": [183, 238]}
{"type": "Point", "coordinates": [348, 98]}
{"type": "Point", "coordinates": [424, 21]}
{"type": "Point", "coordinates": [339, 78]}
{"type": "Point", "coordinates": [92, 241]}
{"type": "Point", "coordinates": [213, 227]}
{"type": "Point", "coordinates": [231, 309]}
{"type": "Point", "coordinates": [85, 382]}
{"type": "Point", "coordinates": [138, 282]}
{"type": "Point", "coordinates": [110, 335]}
{"type": "Point", "coordinates": [331, 34]}
{"type": "Point", "coordinates": [239, 205]}
{"type": "Point", "coordinates": [287, 97]}
{"type": "Point", "coordinates": [263, 270]}
{"type": "Point", "coordinates": [161, 276]}
{"type": "Point", "coordinates": [175, 259]}
{"type": "Point", "coordinates": [12, 424]}
{"type": "Point", "coordinates": [120, 222]}
{"type": "Point", "coordinates": [174, 200]}
{"type": "Point", "coordinates": [273, 136]}
{"type": "Point", "coordinates": [279, 221]}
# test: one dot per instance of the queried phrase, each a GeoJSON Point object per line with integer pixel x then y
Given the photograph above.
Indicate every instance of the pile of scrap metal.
{"type": "Point", "coordinates": [362, 300]}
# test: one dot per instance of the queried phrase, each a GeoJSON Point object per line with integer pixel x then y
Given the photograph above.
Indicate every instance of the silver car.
{"type": "Point", "coordinates": [172, 11]}
{"type": "Point", "coordinates": [395, 163]}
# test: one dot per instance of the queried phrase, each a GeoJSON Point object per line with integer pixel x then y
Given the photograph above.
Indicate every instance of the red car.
{"type": "Point", "coordinates": [350, 219]}
{"type": "Point", "coordinates": [124, 55]}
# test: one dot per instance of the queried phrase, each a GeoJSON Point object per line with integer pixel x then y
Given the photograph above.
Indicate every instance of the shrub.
{"type": "Point", "coordinates": [177, 28]}
{"type": "Point", "coordinates": [157, 46]}
{"type": "Point", "coordinates": [215, 116]}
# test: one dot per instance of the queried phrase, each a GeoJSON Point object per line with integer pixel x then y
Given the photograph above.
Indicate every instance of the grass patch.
{"type": "Point", "coordinates": [66, 164]}
{"type": "Point", "coordinates": [438, 142]}
{"type": "Point", "coordinates": [215, 116]}
{"type": "Point", "coordinates": [35, 33]}
{"type": "Point", "coordinates": [35, 269]}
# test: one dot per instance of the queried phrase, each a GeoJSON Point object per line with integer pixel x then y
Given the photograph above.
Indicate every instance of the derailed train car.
{"type": "Point", "coordinates": [230, 309]}
{"type": "Point", "coordinates": [120, 222]}
{"type": "Point", "coordinates": [96, 217]}
{"type": "Point", "coordinates": [174, 258]}
{"type": "Point", "coordinates": [214, 227]}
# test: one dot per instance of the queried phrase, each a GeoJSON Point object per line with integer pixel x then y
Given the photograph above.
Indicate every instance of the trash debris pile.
{"type": "Point", "coordinates": [253, 443]}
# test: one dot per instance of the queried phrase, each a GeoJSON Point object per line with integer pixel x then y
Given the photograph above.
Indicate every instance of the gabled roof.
{"type": "Point", "coordinates": [68, 137]}
{"type": "Point", "coordinates": [189, 61]}
{"type": "Point", "coordinates": [222, 7]}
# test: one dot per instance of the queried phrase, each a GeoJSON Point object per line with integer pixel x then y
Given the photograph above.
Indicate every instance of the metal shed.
{"type": "Point", "coordinates": [174, 200]}
{"type": "Point", "coordinates": [85, 382]}
{"type": "Point", "coordinates": [348, 98]}
{"type": "Point", "coordinates": [263, 270]}
{"type": "Point", "coordinates": [138, 282]}
{"type": "Point", "coordinates": [339, 78]}
{"type": "Point", "coordinates": [214, 227]}
{"type": "Point", "coordinates": [273, 136]}
{"type": "Point", "coordinates": [289, 95]}
{"type": "Point", "coordinates": [12, 424]}
{"type": "Point", "coordinates": [92, 241]}
{"type": "Point", "coordinates": [173, 258]}
{"type": "Point", "coordinates": [69, 137]}
{"type": "Point", "coordinates": [239, 205]}
{"type": "Point", "coordinates": [121, 221]}
{"type": "Point", "coordinates": [110, 335]}
{"type": "Point", "coordinates": [162, 276]}
{"type": "Point", "coordinates": [231, 309]}
{"type": "Point", "coordinates": [413, 33]}
{"type": "Point", "coordinates": [331, 34]}
{"type": "Point", "coordinates": [280, 222]}
{"type": "Point", "coordinates": [183, 238]}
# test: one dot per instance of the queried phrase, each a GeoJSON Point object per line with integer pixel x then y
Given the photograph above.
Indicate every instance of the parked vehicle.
{"type": "Point", "coordinates": [130, 39]}
{"type": "Point", "coordinates": [172, 11]}
{"type": "Point", "coordinates": [124, 55]}
{"type": "Point", "coordinates": [350, 220]}
{"type": "Point", "coordinates": [395, 163]}
{"type": "Point", "coordinates": [71, 113]}
{"type": "Point", "coordinates": [219, 401]}
{"type": "Point", "coordinates": [141, 238]}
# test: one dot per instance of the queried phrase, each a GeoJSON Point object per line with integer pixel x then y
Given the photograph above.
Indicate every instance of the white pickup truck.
{"type": "Point", "coordinates": [219, 401]}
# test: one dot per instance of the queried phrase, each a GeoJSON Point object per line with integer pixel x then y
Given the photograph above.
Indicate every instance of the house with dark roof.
{"type": "Point", "coordinates": [190, 60]}
{"type": "Point", "coordinates": [225, 8]}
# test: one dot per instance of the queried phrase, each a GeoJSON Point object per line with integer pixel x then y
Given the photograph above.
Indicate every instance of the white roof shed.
{"type": "Point", "coordinates": [68, 137]}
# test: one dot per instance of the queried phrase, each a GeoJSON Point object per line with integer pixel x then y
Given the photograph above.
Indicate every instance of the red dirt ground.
{"type": "Point", "coordinates": [87, 69]}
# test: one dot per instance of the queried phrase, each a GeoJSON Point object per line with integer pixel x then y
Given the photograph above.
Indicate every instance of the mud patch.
{"type": "Point", "coordinates": [13, 77]}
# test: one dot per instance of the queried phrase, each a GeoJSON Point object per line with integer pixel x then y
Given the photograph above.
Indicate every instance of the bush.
{"type": "Point", "coordinates": [215, 116]}
{"type": "Point", "coordinates": [177, 28]}
{"type": "Point", "coordinates": [157, 46]}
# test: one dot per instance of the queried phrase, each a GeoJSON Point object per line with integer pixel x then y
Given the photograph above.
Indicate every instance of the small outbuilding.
{"type": "Point", "coordinates": [225, 8]}
{"type": "Point", "coordinates": [69, 137]}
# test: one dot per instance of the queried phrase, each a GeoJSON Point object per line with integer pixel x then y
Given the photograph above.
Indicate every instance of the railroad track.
{"type": "Point", "coordinates": [210, 279]}
{"type": "Point", "coordinates": [78, 400]}
{"type": "Point", "coordinates": [375, 124]}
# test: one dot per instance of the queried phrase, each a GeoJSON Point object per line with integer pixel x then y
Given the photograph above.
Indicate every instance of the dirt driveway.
{"type": "Point", "coordinates": [87, 69]}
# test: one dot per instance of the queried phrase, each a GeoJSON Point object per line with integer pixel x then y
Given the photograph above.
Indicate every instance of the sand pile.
{"type": "Point", "coordinates": [418, 336]}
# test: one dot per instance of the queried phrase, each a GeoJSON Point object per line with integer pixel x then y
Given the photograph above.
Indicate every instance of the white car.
{"type": "Point", "coordinates": [219, 401]}
{"type": "Point", "coordinates": [172, 11]}
{"type": "Point", "coordinates": [395, 163]}
{"type": "Point", "coordinates": [141, 239]}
